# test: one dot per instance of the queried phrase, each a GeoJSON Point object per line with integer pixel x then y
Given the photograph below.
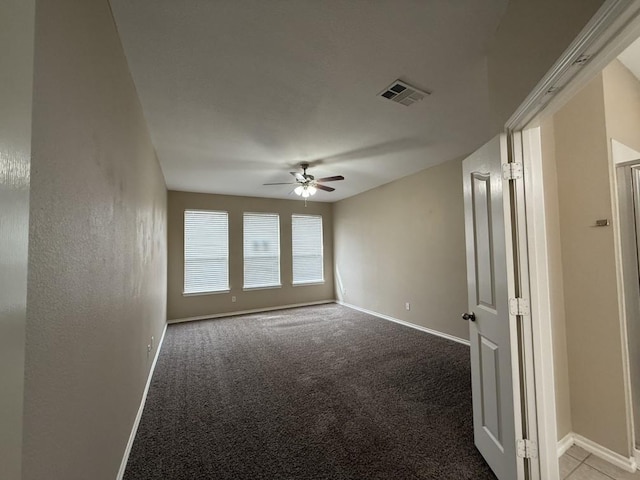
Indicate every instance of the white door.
{"type": "Point", "coordinates": [493, 376]}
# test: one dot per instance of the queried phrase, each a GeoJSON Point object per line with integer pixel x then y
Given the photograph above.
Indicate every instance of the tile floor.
{"type": "Point", "coordinates": [578, 464]}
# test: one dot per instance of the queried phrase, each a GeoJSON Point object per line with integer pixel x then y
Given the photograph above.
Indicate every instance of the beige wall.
{"type": "Point", "coordinates": [16, 65]}
{"type": "Point", "coordinates": [404, 242]}
{"type": "Point", "coordinates": [589, 271]}
{"type": "Point", "coordinates": [622, 105]}
{"type": "Point", "coordinates": [180, 306]}
{"type": "Point", "coordinates": [97, 248]}
{"type": "Point", "coordinates": [530, 38]}
{"type": "Point", "coordinates": [560, 356]}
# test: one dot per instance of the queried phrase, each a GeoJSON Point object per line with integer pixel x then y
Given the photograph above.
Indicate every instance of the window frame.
{"type": "Point", "coordinates": [244, 250]}
{"type": "Point", "coordinates": [307, 282]}
{"type": "Point", "coordinates": [226, 289]}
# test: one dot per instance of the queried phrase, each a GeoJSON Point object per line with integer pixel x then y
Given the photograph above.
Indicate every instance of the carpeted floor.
{"type": "Point", "coordinates": [320, 392]}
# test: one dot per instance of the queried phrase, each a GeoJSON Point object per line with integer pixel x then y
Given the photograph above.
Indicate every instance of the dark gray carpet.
{"type": "Point", "coordinates": [309, 393]}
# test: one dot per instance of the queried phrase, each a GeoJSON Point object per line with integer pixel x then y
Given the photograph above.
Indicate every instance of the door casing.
{"type": "Point", "coordinates": [613, 28]}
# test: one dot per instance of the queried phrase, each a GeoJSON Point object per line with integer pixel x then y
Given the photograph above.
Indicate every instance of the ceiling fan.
{"type": "Point", "coordinates": [307, 184]}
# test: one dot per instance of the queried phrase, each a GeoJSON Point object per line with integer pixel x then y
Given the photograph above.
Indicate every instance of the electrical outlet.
{"type": "Point", "coordinates": [233, 298]}
{"type": "Point", "coordinates": [407, 306]}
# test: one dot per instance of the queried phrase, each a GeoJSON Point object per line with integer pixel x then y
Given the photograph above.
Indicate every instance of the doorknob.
{"type": "Point", "coordinates": [469, 316]}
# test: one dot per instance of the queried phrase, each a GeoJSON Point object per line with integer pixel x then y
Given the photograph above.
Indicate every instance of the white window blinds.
{"type": "Point", "coordinates": [306, 233]}
{"type": "Point", "coordinates": [261, 250]}
{"type": "Point", "coordinates": [206, 251]}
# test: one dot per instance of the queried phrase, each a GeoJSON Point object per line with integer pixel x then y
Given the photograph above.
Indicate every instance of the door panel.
{"type": "Point", "coordinates": [492, 333]}
{"type": "Point", "coordinates": [490, 381]}
{"type": "Point", "coordinates": [485, 284]}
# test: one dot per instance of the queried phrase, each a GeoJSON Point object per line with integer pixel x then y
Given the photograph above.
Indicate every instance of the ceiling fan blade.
{"type": "Point", "coordinates": [299, 176]}
{"type": "Point", "coordinates": [330, 179]}
{"type": "Point", "coordinates": [281, 183]}
{"type": "Point", "coordinates": [325, 188]}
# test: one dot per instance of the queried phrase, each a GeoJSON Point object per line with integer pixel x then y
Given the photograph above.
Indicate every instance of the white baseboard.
{"type": "Point", "coordinates": [248, 312]}
{"type": "Point", "coordinates": [629, 464]}
{"type": "Point", "coordinates": [136, 422]}
{"type": "Point", "coordinates": [406, 324]}
{"type": "Point", "coordinates": [565, 444]}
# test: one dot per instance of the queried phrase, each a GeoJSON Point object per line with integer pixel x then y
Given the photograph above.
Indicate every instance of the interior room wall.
{"type": "Point", "coordinates": [188, 306]}
{"type": "Point", "coordinates": [97, 248]}
{"type": "Point", "coordinates": [622, 104]}
{"type": "Point", "coordinates": [594, 347]}
{"type": "Point", "coordinates": [404, 242]}
{"type": "Point", "coordinates": [16, 64]}
{"type": "Point", "coordinates": [556, 287]}
{"type": "Point", "coordinates": [530, 38]}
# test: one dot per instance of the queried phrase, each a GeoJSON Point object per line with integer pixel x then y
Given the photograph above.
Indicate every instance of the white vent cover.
{"type": "Point", "coordinates": [403, 93]}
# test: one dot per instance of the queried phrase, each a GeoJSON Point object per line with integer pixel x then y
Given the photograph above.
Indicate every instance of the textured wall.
{"type": "Point", "coordinates": [530, 38]}
{"type": "Point", "coordinates": [404, 242]}
{"type": "Point", "coordinates": [180, 306]}
{"type": "Point", "coordinates": [594, 347]}
{"type": "Point", "coordinates": [97, 249]}
{"type": "Point", "coordinates": [16, 67]}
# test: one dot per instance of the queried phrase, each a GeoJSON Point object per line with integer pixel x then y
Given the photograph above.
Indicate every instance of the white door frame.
{"type": "Point", "coordinates": [613, 28]}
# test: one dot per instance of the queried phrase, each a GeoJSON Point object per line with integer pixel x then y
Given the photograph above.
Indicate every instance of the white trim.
{"type": "Point", "coordinates": [143, 400]}
{"type": "Point", "coordinates": [636, 455]}
{"type": "Point", "coordinates": [540, 302]}
{"type": "Point", "coordinates": [261, 287]}
{"type": "Point", "coordinates": [531, 337]}
{"type": "Point", "coordinates": [565, 443]}
{"type": "Point", "coordinates": [406, 324]}
{"type": "Point", "coordinates": [306, 284]}
{"type": "Point", "coordinates": [212, 292]}
{"type": "Point", "coordinates": [629, 464]}
{"type": "Point", "coordinates": [247, 312]}
{"type": "Point", "coordinates": [626, 369]}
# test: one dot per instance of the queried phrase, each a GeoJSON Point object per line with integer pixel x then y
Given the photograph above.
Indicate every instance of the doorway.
{"type": "Point", "coordinates": [576, 223]}
{"type": "Point", "coordinates": [628, 183]}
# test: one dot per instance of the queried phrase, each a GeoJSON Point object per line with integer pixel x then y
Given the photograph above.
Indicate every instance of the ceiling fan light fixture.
{"type": "Point", "coordinates": [307, 185]}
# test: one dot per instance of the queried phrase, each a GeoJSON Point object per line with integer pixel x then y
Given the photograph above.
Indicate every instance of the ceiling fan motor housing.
{"type": "Point", "coordinates": [304, 167]}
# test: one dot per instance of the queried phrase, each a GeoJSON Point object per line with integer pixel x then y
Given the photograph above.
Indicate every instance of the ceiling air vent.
{"type": "Point", "coordinates": [403, 93]}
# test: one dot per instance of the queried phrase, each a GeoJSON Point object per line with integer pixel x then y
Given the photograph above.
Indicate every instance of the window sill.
{"type": "Point", "coordinates": [198, 294]}
{"type": "Point", "coordinates": [305, 284]}
{"type": "Point", "coordinates": [266, 287]}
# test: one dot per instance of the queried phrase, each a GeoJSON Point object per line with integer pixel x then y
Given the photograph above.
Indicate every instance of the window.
{"type": "Point", "coordinates": [261, 250]}
{"type": "Point", "coordinates": [206, 251]}
{"type": "Point", "coordinates": [306, 238]}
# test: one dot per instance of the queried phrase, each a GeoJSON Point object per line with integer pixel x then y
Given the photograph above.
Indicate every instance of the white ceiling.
{"type": "Point", "coordinates": [631, 58]}
{"type": "Point", "coordinates": [237, 92]}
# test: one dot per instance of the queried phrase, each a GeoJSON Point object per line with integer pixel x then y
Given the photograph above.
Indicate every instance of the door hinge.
{"type": "Point", "coordinates": [512, 171]}
{"type": "Point", "coordinates": [527, 449]}
{"type": "Point", "coordinates": [518, 306]}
